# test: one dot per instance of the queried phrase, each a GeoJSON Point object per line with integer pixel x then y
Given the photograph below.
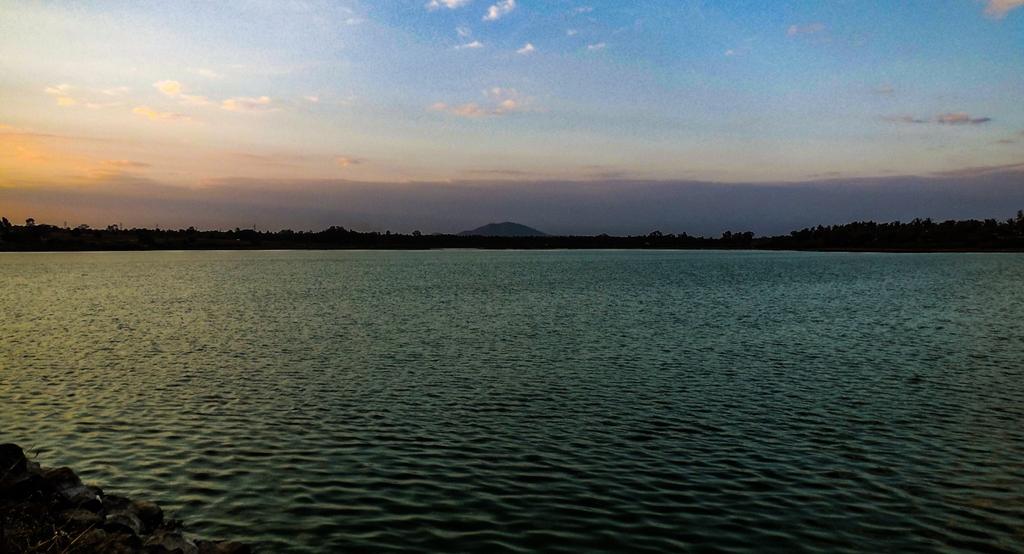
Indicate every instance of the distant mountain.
{"type": "Point", "coordinates": [504, 229]}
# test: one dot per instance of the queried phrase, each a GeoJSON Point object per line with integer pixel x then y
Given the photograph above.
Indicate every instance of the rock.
{"type": "Point", "coordinates": [140, 517]}
{"type": "Point", "coordinates": [124, 521]}
{"type": "Point", "coordinates": [52, 507]}
{"type": "Point", "coordinates": [12, 461]}
{"type": "Point", "coordinates": [98, 540]}
{"type": "Point", "coordinates": [61, 477]}
{"type": "Point", "coordinates": [149, 514]}
{"type": "Point", "coordinates": [92, 540]}
{"type": "Point", "coordinates": [17, 480]}
{"type": "Point", "coordinates": [113, 503]}
{"type": "Point", "coordinates": [70, 487]}
{"type": "Point", "coordinates": [79, 517]}
{"type": "Point", "coordinates": [170, 541]}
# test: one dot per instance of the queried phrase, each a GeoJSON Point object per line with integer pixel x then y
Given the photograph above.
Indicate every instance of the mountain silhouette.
{"type": "Point", "coordinates": [504, 229]}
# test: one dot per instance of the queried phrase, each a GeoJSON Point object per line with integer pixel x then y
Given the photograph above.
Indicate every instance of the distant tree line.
{"type": "Point", "coordinates": [917, 235]}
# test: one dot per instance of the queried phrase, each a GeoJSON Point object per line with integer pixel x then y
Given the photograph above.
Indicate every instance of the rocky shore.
{"type": "Point", "coordinates": [50, 510]}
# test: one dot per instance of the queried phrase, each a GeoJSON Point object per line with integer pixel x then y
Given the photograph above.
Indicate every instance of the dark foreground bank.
{"type": "Point", "coordinates": [919, 235]}
{"type": "Point", "coordinates": [49, 510]}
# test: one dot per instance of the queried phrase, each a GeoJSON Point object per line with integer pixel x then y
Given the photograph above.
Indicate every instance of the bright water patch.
{"type": "Point", "coordinates": [466, 401]}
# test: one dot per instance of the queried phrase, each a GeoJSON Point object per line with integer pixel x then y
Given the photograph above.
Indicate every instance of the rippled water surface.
{"type": "Point", "coordinates": [463, 401]}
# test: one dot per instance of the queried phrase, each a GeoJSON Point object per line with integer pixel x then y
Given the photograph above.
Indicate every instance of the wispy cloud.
{"type": "Point", "coordinates": [526, 49]}
{"type": "Point", "coordinates": [247, 104]}
{"type": "Point", "coordinates": [470, 45]}
{"type": "Point", "coordinates": [67, 96]}
{"type": "Point", "coordinates": [62, 93]}
{"type": "Point", "coordinates": [508, 100]}
{"type": "Point", "coordinates": [982, 170]}
{"type": "Point", "coordinates": [884, 90]}
{"type": "Point", "coordinates": [596, 46]}
{"type": "Point", "coordinates": [471, 109]}
{"type": "Point", "coordinates": [571, 32]}
{"type": "Point", "coordinates": [155, 115]}
{"type": "Point", "coordinates": [998, 9]}
{"type": "Point", "coordinates": [961, 118]}
{"type": "Point", "coordinates": [116, 91]}
{"type": "Point", "coordinates": [1018, 138]}
{"type": "Point", "coordinates": [809, 29]}
{"type": "Point", "coordinates": [450, 4]}
{"type": "Point", "coordinates": [208, 73]}
{"type": "Point", "coordinates": [463, 31]}
{"type": "Point", "coordinates": [903, 119]}
{"type": "Point", "coordinates": [582, 9]}
{"type": "Point", "coordinates": [347, 161]}
{"type": "Point", "coordinates": [170, 88]}
{"type": "Point", "coordinates": [500, 9]}
{"type": "Point", "coordinates": [742, 50]}
{"type": "Point", "coordinates": [107, 169]}
{"type": "Point", "coordinates": [176, 90]}
{"type": "Point", "coordinates": [500, 101]}
{"type": "Point", "coordinates": [957, 118]}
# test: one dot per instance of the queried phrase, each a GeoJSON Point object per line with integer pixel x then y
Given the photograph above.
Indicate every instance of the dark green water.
{"type": "Point", "coordinates": [533, 401]}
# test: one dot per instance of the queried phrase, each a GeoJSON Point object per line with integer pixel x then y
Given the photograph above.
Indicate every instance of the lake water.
{"type": "Point", "coordinates": [468, 401]}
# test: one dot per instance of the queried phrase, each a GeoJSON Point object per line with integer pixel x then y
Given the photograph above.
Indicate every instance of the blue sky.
{"type": "Point", "coordinates": [190, 94]}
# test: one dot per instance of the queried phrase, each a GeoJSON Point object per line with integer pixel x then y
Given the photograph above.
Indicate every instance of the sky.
{"type": "Point", "coordinates": [579, 116]}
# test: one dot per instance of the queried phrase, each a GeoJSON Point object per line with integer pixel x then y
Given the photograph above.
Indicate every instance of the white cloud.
{"type": "Point", "coordinates": [150, 113]}
{"type": "Point", "coordinates": [999, 8]}
{"type": "Point", "coordinates": [194, 100]}
{"type": "Point", "coordinates": [597, 46]}
{"type": "Point", "coordinates": [170, 88]}
{"type": "Point", "coordinates": [312, 98]}
{"type": "Point", "coordinates": [62, 93]}
{"type": "Point", "coordinates": [116, 91]}
{"type": "Point", "coordinates": [58, 90]}
{"type": "Point", "coordinates": [500, 101]}
{"type": "Point", "coordinates": [526, 49]}
{"type": "Point", "coordinates": [470, 45]}
{"type": "Point", "coordinates": [247, 104]}
{"type": "Point", "coordinates": [500, 9]}
{"type": "Point", "coordinates": [67, 96]}
{"type": "Point", "coordinates": [469, 110]}
{"type": "Point", "coordinates": [463, 31]}
{"type": "Point", "coordinates": [809, 29]}
{"type": "Point", "coordinates": [174, 89]}
{"type": "Point", "coordinates": [208, 73]}
{"type": "Point", "coordinates": [582, 9]}
{"type": "Point", "coordinates": [450, 4]}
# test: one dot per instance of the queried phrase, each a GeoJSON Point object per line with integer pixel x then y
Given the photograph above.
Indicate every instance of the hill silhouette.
{"type": "Point", "coordinates": [503, 229]}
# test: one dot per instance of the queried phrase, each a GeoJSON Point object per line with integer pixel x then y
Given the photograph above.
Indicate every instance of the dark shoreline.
{"type": "Point", "coordinates": [539, 249]}
{"type": "Point", "coordinates": [50, 510]}
{"type": "Point", "coordinates": [919, 235]}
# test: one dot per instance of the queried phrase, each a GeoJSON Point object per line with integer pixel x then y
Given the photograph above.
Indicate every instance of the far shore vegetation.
{"type": "Point", "coordinates": [919, 235]}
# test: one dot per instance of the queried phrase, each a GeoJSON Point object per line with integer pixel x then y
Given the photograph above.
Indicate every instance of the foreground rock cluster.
{"type": "Point", "coordinates": [49, 510]}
